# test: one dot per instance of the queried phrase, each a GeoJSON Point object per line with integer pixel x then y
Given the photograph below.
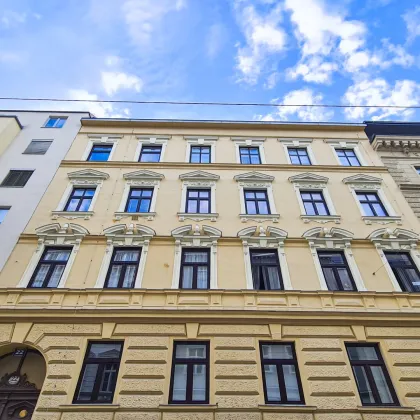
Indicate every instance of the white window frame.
{"type": "Point", "coordinates": [249, 142]}
{"type": "Point", "coordinates": [55, 235]}
{"type": "Point", "coordinates": [151, 140]}
{"type": "Point", "coordinates": [139, 179]}
{"type": "Point", "coordinates": [268, 238]}
{"type": "Point", "coordinates": [86, 178]}
{"type": "Point", "coordinates": [309, 181]}
{"type": "Point", "coordinates": [198, 180]}
{"type": "Point", "coordinates": [333, 239]}
{"type": "Point", "coordinates": [120, 236]}
{"type": "Point", "coordinates": [367, 183]}
{"type": "Point", "coordinates": [201, 141]}
{"type": "Point", "coordinates": [347, 144]}
{"type": "Point", "coordinates": [189, 236]}
{"type": "Point", "coordinates": [395, 240]}
{"type": "Point", "coordinates": [297, 143]}
{"type": "Point", "coordinates": [101, 139]}
{"type": "Point", "coordinates": [257, 181]}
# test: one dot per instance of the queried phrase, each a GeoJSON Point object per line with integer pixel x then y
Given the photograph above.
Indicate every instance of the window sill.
{"type": "Point", "coordinates": [198, 217]}
{"type": "Point", "coordinates": [72, 214]}
{"type": "Point", "coordinates": [89, 407]}
{"type": "Point", "coordinates": [287, 408]}
{"type": "Point", "coordinates": [119, 215]}
{"type": "Point", "coordinates": [390, 409]}
{"type": "Point", "coordinates": [321, 219]}
{"type": "Point", "coordinates": [259, 217]}
{"type": "Point", "coordinates": [382, 220]}
{"type": "Point", "coordinates": [187, 407]}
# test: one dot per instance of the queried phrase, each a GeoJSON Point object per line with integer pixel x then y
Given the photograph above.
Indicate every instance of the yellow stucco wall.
{"type": "Point", "coordinates": [9, 129]}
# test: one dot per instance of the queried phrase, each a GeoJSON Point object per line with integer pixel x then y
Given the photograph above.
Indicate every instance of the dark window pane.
{"type": "Point", "coordinates": [381, 384]}
{"type": "Point", "coordinates": [365, 391]}
{"type": "Point", "coordinates": [179, 392]}
{"type": "Point", "coordinates": [16, 178]}
{"type": "Point", "coordinates": [291, 383]}
{"type": "Point", "coordinates": [362, 353]}
{"type": "Point", "coordinates": [191, 351]}
{"type": "Point", "coordinates": [277, 351]}
{"type": "Point", "coordinates": [330, 278]}
{"type": "Point", "coordinates": [272, 383]}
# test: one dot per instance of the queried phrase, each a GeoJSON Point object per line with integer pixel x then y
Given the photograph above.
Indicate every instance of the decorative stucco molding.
{"type": "Point", "coordinates": [195, 237]}
{"type": "Point", "coordinates": [249, 142]}
{"type": "Point", "coordinates": [346, 144]}
{"type": "Point", "coordinates": [107, 139]}
{"type": "Point", "coordinates": [299, 143]}
{"type": "Point", "coordinates": [264, 237]}
{"type": "Point", "coordinates": [151, 140]}
{"type": "Point", "coordinates": [201, 141]}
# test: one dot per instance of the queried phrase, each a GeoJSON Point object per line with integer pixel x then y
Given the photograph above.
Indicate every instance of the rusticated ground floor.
{"type": "Point", "coordinates": [235, 381]}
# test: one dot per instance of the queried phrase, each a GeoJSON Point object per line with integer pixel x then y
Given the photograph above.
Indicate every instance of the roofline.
{"type": "Point", "coordinates": [15, 117]}
{"type": "Point", "coordinates": [391, 123]}
{"type": "Point", "coordinates": [211, 123]}
{"type": "Point", "coordinates": [54, 111]}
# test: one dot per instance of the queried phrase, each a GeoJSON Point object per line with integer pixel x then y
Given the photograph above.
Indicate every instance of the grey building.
{"type": "Point", "coordinates": [32, 145]}
{"type": "Point", "coordinates": [398, 145]}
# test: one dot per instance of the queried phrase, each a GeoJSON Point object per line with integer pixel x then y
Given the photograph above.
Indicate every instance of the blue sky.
{"type": "Point", "coordinates": [270, 51]}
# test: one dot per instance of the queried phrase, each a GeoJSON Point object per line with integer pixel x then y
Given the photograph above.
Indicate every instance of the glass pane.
{"type": "Point", "coordinates": [56, 276]}
{"type": "Point", "coordinates": [277, 351]}
{"type": "Point", "coordinates": [144, 205]}
{"type": "Point", "coordinates": [381, 384]}
{"type": "Point", "coordinates": [305, 160]}
{"type": "Point", "coordinates": [344, 276]}
{"type": "Point", "coordinates": [78, 192]}
{"type": "Point", "coordinates": [135, 193]}
{"type": "Point", "coordinates": [365, 391]}
{"type": "Point", "coordinates": [273, 278]}
{"type": "Point", "coordinates": [354, 161]}
{"type": "Point", "coordinates": [268, 257]}
{"type": "Point", "coordinates": [249, 194]}
{"type": "Point", "coordinates": [255, 159]}
{"type": "Point", "coordinates": [40, 275]}
{"type": "Point", "coordinates": [322, 210]}
{"type": "Point", "coordinates": [330, 278]}
{"type": "Point", "coordinates": [192, 206]}
{"type": "Point", "coordinates": [190, 351]}
{"type": "Point", "coordinates": [57, 255]}
{"type": "Point", "coordinates": [291, 382]}
{"type": "Point", "coordinates": [413, 278]}
{"type": "Point", "coordinates": [195, 257]}
{"type": "Point", "coordinates": [260, 195]}
{"type": "Point", "coordinates": [344, 161]}
{"type": "Point", "coordinates": [372, 197]}
{"type": "Point", "coordinates": [204, 194]}
{"type": "Point", "coordinates": [85, 204]}
{"type": "Point", "coordinates": [72, 205]}
{"type": "Point", "coordinates": [147, 193]}
{"type": "Point", "coordinates": [129, 277]}
{"type": "Point", "coordinates": [250, 207]}
{"type": "Point", "coordinates": [202, 278]}
{"type": "Point", "coordinates": [108, 382]}
{"type": "Point", "coordinates": [309, 209]}
{"type": "Point", "coordinates": [367, 210]}
{"type": "Point", "coordinates": [127, 255]}
{"type": "Point", "coordinates": [361, 196]}
{"type": "Point", "coordinates": [179, 392]}
{"type": "Point", "coordinates": [88, 382]}
{"type": "Point", "coordinates": [132, 206]}
{"type": "Point", "coordinates": [254, 151]}
{"type": "Point", "coordinates": [295, 160]}
{"type": "Point", "coordinates": [399, 259]}
{"type": "Point", "coordinates": [105, 350]}
{"type": "Point", "coordinates": [187, 277]}
{"type": "Point", "coordinates": [150, 157]}
{"type": "Point", "coordinates": [99, 156]}
{"type": "Point", "coordinates": [199, 383]}
{"type": "Point", "coordinates": [334, 258]}
{"type": "Point", "coordinates": [305, 196]}
{"type": "Point", "coordinates": [292, 152]}
{"type": "Point", "coordinates": [379, 210]}
{"type": "Point", "coordinates": [245, 159]}
{"type": "Point", "coordinates": [60, 122]}
{"type": "Point", "coordinates": [272, 383]}
{"type": "Point", "coordinates": [362, 353]}
{"type": "Point", "coordinates": [205, 158]}
{"type": "Point", "coordinates": [263, 207]}
{"type": "Point", "coordinates": [114, 276]}
{"type": "Point", "coordinates": [204, 206]}
{"type": "Point", "coordinates": [89, 193]}
{"type": "Point", "coordinates": [195, 158]}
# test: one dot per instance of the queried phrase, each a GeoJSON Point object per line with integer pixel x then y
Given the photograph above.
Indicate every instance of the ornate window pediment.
{"type": "Point", "coordinates": [253, 177]}
{"type": "Point", "coordinates": [144, 175]}
{"type": "Point", "coordinates": [196, 237]}
{"type": "Point", "coordinates": [308, 178]}
{"type": "Point", "coordinates": [198, 176]}
{"type": "Point", "coordinates": [89, 175]}
{"type": "Point", "coordinates": [394, 239]}
{"type": "Point", "coordinates": [362, 180]}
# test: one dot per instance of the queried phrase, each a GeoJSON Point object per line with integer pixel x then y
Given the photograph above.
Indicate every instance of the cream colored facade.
{"type": "Point", "coordinates": [232, 316]}
{"type": "Point", "coordinates": [9, 129]}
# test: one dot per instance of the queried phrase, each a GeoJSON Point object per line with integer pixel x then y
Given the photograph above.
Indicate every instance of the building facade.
{"type": "Point", "coordinates": [32, 145]}
{"type": "Point", "coordinates": [398, 145]}
{"type": "Point", "coordinates": [215, 271]}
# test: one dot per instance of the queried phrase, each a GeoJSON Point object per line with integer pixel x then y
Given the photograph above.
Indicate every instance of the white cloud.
{"type": "Point", "coordinates": [10, 57]}
{"type": "Point", "coordinates": [412, 21]}
{"type": "Point", "coordinates": [264, 36]}
{"type": "Point", "coordinates": [215, 39]}
{"type": "Point", "coordinates": [313, 69]}
{"type": "Point", "coordinates": [143, 16]}
{"type": "Point", "coordinates": [302, 113]}
{"type": "Point", "coordinates": [114, 81]}
{"type": "Point", "coordinates": [10, 18]}
{"type": "Point", "coordinates": [379, 92]}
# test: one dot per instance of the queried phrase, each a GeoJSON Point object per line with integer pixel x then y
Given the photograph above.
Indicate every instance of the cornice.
{"type": "Point", "coordinates": [221, 166]}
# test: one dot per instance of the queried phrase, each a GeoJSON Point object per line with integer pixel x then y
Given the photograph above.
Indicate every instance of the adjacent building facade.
{"type": "Point", "coordinates": [215, 271]}
{"type": "Point", "coordinates": [32, 145]}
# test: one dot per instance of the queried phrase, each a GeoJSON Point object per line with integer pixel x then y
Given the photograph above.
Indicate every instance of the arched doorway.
{"type": "Point", "coordinates": [22, 373]}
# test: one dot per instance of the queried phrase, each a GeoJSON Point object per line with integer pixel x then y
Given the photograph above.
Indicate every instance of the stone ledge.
{"type": "Point", "coordinates": [288, 408]}
{"type": "Point", "coordinates": [188, 407]}
{"type": "Point", "coordinates": [386, 409]}
{"type": "Point", "coordinates": [87, 407]}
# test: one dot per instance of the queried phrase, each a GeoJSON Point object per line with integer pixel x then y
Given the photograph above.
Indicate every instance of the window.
{"type": "Point", "coordinates": [55, 122]}
{"type": "Point", "coordinates": [50, 268]}
{"type": "Point", "coordinates": [404, 270]}
{"type": "Point", "coordinates": [80, 199]}
{"type": "Point", "coordinates": [299, 156]}
{"type": "Point", "coordinates": [336, 271]}
{"type": "Point", "coordinates": [139, 200]}
{"type": "Point", "coordinates": [256, 202]}
{"type": "Point", "coordinates": [37, 147]}
{"type": "Point", "coordinates": [265, 269]}
{"type": "Point", "coordinates": [314, 203]}
{"type": "Point", "coordinates": [417, 168]}
{"type": "Point", "coordinates": [250, 155]}
{"type": "Point", "coordinates": [123, 268]}
{"type": "Point", "coordinates": [195, 269]}
{"type": "Point", "coordinates": [198, 201]}
{"type": "Point", "coordinates": [150, 153]}
{"type": "Point", "coordinates": [3, 212]}
{"type": "Point", "coordinates": [281, 377]}
{"type": "Point", "coordinates": [99, 374]}
{"type": "Point", "coordinates": [347, 157]}
{"type": "Point", "coordinates": [16, 178]}
{"type": "Point", "coordinates": [200, 154]}
{"type": "Point", "coordinates": [372, 379]}
{"type": "Point", "coordinates": [371, 204]}
{"type": "Point", "coordinates": [190, 373]}
{"type": "Point", "coordinates": [100, 152]}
